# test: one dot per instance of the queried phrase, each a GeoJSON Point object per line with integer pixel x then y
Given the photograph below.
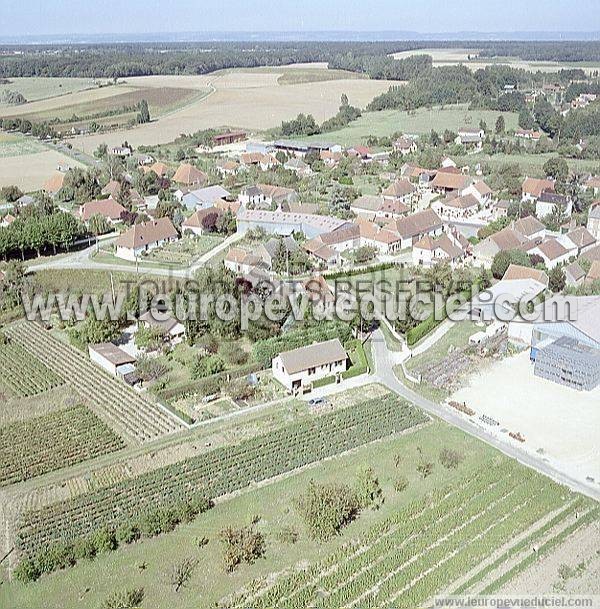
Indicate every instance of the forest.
{"type": "Point", "coordinates": [140, 59]}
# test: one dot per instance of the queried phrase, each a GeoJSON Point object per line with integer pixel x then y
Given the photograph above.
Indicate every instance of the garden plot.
{"type": "Point", "coordinates": [184, 251]}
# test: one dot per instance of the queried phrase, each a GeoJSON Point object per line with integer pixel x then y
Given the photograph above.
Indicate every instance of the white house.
{"type": "Point", "coordinates": [553, 252]}
{"type": "Point", "coordinates": [481, 191]}
{"type": "Point", "coordinates": [593, 223]}
{"type": "Point", "coordinates": [204, 197]}
{"type": "Point", "coordinates": [300, 367]}
{"type": "Point", "coordinates": [111, 358]}
{"type": "Point", "coordinates": [144, 237]}
{"type": "Point", "coordinates": [548, 201]}
{"type": "Point", "coordinates": [456, 208]}
{"type": "Point", "coordinates": [532, 188]}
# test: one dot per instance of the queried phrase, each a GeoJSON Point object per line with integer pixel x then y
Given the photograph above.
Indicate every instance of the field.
{"type": "Point", "coordinates": [217, 473]}
{"type": "Point", "coordinates": [29, 170]}
{"type": "Point", "coordinates": [253, 100]}
{"type": "Point", "coordinates": [24, 375]}
{"type": "Point", "coordinates": [53, 441]}
{"type": "Point", "coordinates": [417, 122]}
{"type": "Point", "coordinates": [487, 499]}
{"type": "Point", "coordinates": [36, 88]}
{"type": "Point", "coordinates": [16, 145]}
{"type": "Point", "coordinates": [455, 56]}
{"type": "Point", "coordinates": [135, 418]}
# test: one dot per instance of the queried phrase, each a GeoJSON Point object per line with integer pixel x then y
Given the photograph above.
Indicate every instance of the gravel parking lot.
{"type": "Point", "coordinates": [561, 422]}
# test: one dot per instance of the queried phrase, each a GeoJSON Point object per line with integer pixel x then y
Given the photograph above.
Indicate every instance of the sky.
{"type": "Point", "coordinates": [38, 17]}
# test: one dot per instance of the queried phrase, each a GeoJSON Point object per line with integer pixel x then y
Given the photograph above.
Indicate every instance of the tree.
{"type": "Point", "coordinates": [243, 545]}
{"type": "Point", "coordinates": [556, 168]}
{"type": "Point", "coordinates": [450, 459]}
{"type": "Point", "coordinates": [557, 279]}
{"type": "Point", "coordinates": [98, 225]}
{"type": "Point", "coordinates": [502, 260]}
{"type": "Point", "coordinates": [500, 126]}
{"type": "Point", "coordinates": [526, 120]}
{"type": "Point", "coordinates": [144, 113]}
{"type": "Point", "coordinates": [368, 489]}
{"type": "Point", "coordinates": [11, 193]}
{"type": "Point", "coordinates": [326, 508]}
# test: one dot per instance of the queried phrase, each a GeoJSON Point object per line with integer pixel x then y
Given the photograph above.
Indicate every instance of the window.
{"type": "Point", "coordinates": [311, 371]}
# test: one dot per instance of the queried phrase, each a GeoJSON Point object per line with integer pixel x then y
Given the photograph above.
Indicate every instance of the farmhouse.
{"type": "Point", "coordinates": [107, 208]}
{"type": "Point", "coordinates": [414, 227]}
{"type": "Point", "coordinates": [552, 251]}
{"type": "Point", "coordinates": [517, 271]}
{"type": "Point", "coordinates": [532, 188]}
{"type": "Point", "coordinates": [456, 208]}
{"type": "Point", "coordinates": [321, 253]}
{"type": "Point", "coordinates": [505, 239]}
{"type": "Point", "coordinates": [239, 260]}
{"type": "Point", "coordinates": [448, 247]}
{"type": "Point", "coordinates": [188, 175]}
{"type": "Point", "coordinates": [298, 166]}
{"type": "Point", "coordinates": [227, 167]}
{"type": "Point", "coordinates": [160, 169]}
{"type": "Point", "coordinates": [528, 134]}
{"type": "Point", "coordinates": [301, 367]}
{"type": "Point", "coordinates": [481, 191]}
{"type": "Point", "coordinates": [404, 146]}
{"type": "Point", "coordinates": [143, 237]}
{"type": "Point", "coordinates": [269, 250]}
{"type": "Point", "coordinates": [579, 238]}
{"type": "Point", "coordinates": [470, 137]}
{"type": "Point", "coordinates": [400, 190]}
{"type": "Point", "coordinates": [112, 359]}
{"type": "Point", "coordinates": [530, 227]}
{"type": "Point", "coordinates": [445, 182]}
{"type": "Point", "coordinates": [266, 196]}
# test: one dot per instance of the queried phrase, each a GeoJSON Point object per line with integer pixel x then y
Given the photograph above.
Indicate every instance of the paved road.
{"type": "Point", "coordinates": [82, 260]}
{"type": "Point", "coordinates": [384, 373]}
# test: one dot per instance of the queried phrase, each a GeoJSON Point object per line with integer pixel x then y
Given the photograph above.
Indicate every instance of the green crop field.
{"type": "Point", "coordinates": [423, 120]}
{"type": "Point", "coordinates": [487, 498]}
{"type": "Point", "coordinates": [18, 145]}
{"type": "Point", "coordinates": [56, 440]}
{"type": "Point", "coordinates": [35, 88]}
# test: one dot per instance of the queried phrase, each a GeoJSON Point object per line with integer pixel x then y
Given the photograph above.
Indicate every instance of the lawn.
{"type": "Point", "coordinates": [457, 337]}
{"type": "Point", "coordinates": [273, 508]}
{"type": "Point", "coordinates": [184, 251]}
{"type": "Point", "coordinates": [417, 122]}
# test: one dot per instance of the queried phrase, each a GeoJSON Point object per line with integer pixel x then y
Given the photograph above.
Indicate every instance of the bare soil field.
{"type": "Point", "coordinates": [30, 171]}
{"type": "Point", "coordinates": [252, 100]}
{"type": "Point", "coordinates": [457, 56]}
{"type": "Point", "coordinates": [580, 554]}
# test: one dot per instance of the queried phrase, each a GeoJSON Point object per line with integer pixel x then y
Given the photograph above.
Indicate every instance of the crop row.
{"type": "Point", "coordinates": [219, 472]}
{"type": "Point", "coordinates": [46, 443]}
{"type": "Point", "coordinates": [422, 548]}
{"type": "Point", "coordinates": [23, 374]}
{"type": "Point", "coordinates": [133, 416]}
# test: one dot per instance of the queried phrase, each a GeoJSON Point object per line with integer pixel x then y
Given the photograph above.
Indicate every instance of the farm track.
{"type": "Point", "coordinates": [136, 419]}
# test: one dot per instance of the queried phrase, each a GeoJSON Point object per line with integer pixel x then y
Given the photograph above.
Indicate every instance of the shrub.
{"type": "Point", "coordinates": [182, 573]}
{"type": "Point", "coordinates": [233, 354]}
{"type": "Point", "coordinates": [425, 468]}
{"type": "Point", "coordinates": [206, 366]}
{"type": "Point", "coordinates": [104, 540]}
{"type": "Point", "coordinates": [26, 571]}
{"type": "Point", "coordinates": [124, 599]}
{"type": "Point", "coordinates": [84, 548]}
{"type": "Point", "coordinates": [450, 459]}
{"type": "Point", "coordinates": [127, 533]}
{"type": "Point", "coordinates": [241, 545]}
{"type": "Point", "coordinates": [287, 534]}
{"type": "Point", "coordinates": [401, 484]}
{"type": "Point", "coordinates": [326, 508]}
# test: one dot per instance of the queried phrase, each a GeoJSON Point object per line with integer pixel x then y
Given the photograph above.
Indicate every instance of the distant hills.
{"type": "Point", "coordinates": [333, 35]}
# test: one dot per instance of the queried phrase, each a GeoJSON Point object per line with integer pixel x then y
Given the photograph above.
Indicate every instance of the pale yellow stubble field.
{"type": "Point", "coordinates": [244, 99]}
